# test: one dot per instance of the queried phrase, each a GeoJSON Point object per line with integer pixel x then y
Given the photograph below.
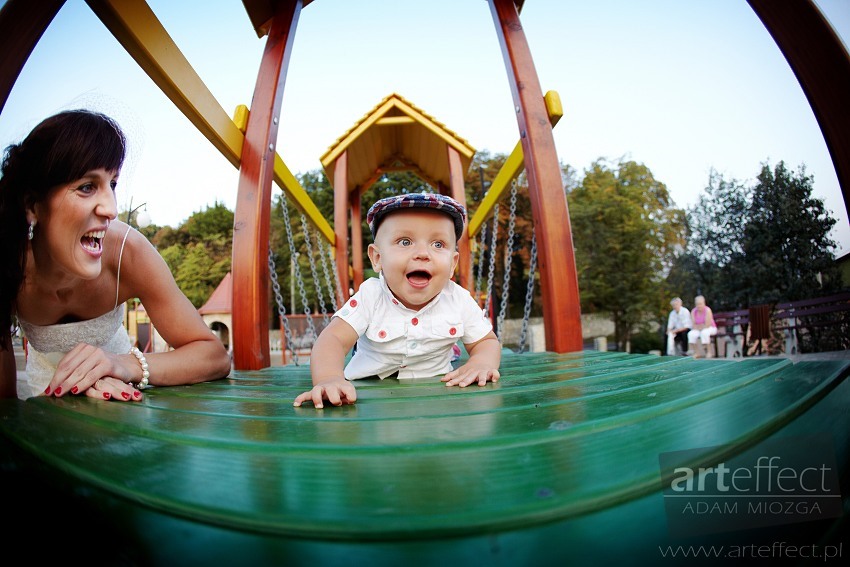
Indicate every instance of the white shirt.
{"type": "Point", "coordinates": [680, 320]}
{"type": "Point", "coordinates": [417, 344]}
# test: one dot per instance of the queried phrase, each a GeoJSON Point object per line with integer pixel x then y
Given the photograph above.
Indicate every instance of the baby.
{"type": "Point", "coordinates": [407, 320]}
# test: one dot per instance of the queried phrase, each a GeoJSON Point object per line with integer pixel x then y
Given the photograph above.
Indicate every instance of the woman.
{"type": "Point", "coordinates": [68, 266]}
{"type": "Point", "coordinates": [703, 327]}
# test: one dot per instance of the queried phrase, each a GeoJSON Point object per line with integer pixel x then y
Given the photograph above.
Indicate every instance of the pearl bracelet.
{"type": "Point", "coordinates": [143, 383]}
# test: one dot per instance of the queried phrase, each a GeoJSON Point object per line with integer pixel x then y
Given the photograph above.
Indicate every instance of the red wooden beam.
{"type": "Point", "coordinates": [558, 279]}
{"type": "Point", "coordinates": [340, 184]}
{"type": "Point", "coordinates": [822, 65]}
{"type": "Point", "coordinates": [458, 193]}
{"type": "Point", "coordinates": [22, 23]}
{"type": "Point", "coordinates": [253, 205]}
{"type": "Point", "coordinates": [356, 241]}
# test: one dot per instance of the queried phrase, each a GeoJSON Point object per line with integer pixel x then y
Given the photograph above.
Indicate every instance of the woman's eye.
{"type": "Point", "coordinates": [86, 188]}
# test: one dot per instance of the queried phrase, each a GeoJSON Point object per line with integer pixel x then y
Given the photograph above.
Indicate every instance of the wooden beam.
{"type": "Point", "coordinates": [341, 197]}
{"type": "Point", "coordinates": [253, 206]}
{"type": "Point", "coordinates": [137, 28]}
{"type": "Point", "coordinates": [558, 278]}
{"type": "Point", "coordinates": [395, 120]}
{"type": "Point", "coordinates": [356, 243]}
{"type": "Point", "coordinates": [457, 192]}
{"type": "Point", "coordinates": [22, 23]}
{"type": "Point", "coordinates": [821, 63]}
{"type": "Point", "coordinates": [301, 199]}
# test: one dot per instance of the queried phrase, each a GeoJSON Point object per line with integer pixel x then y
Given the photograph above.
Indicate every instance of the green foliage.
{"type": "Point", "coordinates": [626, 232]}
{"type": "Point", "coordinates": [758, 245]}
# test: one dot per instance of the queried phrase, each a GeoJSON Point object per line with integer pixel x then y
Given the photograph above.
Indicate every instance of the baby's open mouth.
{"type": "Point", "coordinates": [418, 278]}
{"type": "Point", "coordinates": [92, 241]}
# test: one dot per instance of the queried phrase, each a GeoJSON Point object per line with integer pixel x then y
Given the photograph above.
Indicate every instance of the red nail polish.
{"type": "Point", "coordinates": [125, 395]}
{"type": "Point", "coordinates": [137, 394]}
{"type": "Point", "coordinates": [106, 395]}
{"type": "Point", "coordinates": [47, 391]}
{"type": "Point", "coordinates": [74, 390]}
{"type": "Point", "coordinates": [58, 390]}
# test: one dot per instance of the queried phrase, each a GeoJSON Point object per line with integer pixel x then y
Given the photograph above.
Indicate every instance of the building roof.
{"type": "Point", "coordinates": [396, 135]}
{"type": "Point", "coordinates": [221, 300]}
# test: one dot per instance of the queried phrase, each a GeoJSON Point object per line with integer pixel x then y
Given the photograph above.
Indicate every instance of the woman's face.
{"type": "Point", "coordinates": [71, 223]}
{"type": "Point", "coordinates": [699, 302]}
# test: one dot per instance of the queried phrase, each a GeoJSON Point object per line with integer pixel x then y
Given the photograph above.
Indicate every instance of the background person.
{"type": "Point", "coordinates": [678, 326]}
{"type": "Point", "coordinates": [703, 328]}
{"type": "Point", "coordinates": [68, 267]}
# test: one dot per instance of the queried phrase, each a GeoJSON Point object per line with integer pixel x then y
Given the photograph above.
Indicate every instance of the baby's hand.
{"type": "Point", "coordinates": [337, 391]}
{"type": "Point", "coordinates": [468, 373]}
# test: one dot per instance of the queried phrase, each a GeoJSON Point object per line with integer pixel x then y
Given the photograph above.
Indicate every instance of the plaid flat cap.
{"type": "Point", "coordinates": [435, 201]}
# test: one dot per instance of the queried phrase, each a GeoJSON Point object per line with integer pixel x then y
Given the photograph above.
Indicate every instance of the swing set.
{"type": "Point", "coordinates": [558, 462]}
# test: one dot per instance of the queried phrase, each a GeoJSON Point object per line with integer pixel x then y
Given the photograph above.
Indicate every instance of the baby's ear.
{"type": "Point", "coordinates": [374, 257]}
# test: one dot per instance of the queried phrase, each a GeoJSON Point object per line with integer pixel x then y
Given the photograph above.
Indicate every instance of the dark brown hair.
{"type": "Point", "coordinates": [61, 149]}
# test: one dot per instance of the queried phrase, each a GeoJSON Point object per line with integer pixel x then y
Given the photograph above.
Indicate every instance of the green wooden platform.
{"type": "Point", "coordinates": [558, 462]}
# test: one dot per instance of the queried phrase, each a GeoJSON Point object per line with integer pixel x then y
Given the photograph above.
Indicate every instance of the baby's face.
{"type": "Point", "coordinates": [415, 249]}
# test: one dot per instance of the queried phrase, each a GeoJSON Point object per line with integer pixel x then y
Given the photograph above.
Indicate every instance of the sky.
{"type": "Point", "coordinates": [684, 87]}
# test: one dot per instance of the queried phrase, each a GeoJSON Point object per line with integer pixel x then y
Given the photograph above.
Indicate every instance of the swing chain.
{"type": "Point", "coordinates": [317, 282]}
{"type": "Point", "coordinates": [311, 330]}
{"type": "Point", "coordinates": [281, 307]}
{"type": "Point", "coordinates": [529, 292]}
{"type": "Point", "coordinates": [326, 270]}
{"type": "Point", "coordinates": [491, 273]}
{"type": "Point", "coordinates": [479, 272]}
{"type": "Point", "coordinates": [509, 245]}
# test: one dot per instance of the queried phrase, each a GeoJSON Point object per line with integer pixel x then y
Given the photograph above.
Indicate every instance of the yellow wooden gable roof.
{"type": "Point", "coordinates": [397, 136]}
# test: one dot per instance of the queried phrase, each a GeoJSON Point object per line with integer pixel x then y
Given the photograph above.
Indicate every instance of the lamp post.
{"type": "Point", "coordinates": [143, 219]}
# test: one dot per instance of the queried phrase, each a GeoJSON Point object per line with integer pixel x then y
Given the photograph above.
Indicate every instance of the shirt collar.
{"type": "Point", "coordinates": [398, 304]}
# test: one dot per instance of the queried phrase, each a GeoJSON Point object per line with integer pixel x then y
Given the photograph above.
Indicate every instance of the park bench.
{"type": "Point", "coordinates": [730, 340]}
{"type": "Point", "coordinates": [793, 318]}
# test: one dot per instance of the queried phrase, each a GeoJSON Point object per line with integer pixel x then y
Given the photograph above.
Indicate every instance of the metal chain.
{"type": "Point", "coordinates": [332, 256]}
{"type": "Point", "coordinates": [492, 270]}
{"type": "Point", "coordinates": [479, 273]}
{"type": "Point", "coordinates": [311, 330]}
{"type": "Point", "coordinates": [317, 282]}
{"type": "Point", "coordinates": [281, 308]}
{"type": "Point", "coordinates": [529, 291]}
{"type": "Point", "coordinates": [509, 254]}
{"type": "Point", "coordinates": [326, 270]}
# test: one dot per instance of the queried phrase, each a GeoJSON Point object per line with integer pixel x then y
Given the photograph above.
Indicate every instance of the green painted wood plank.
{"type": "Point", "coordinates": [525, 456]}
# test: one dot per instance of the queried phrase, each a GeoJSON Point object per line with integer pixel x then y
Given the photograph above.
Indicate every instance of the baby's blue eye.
{"type": "Point", "coordinates": [405, 242]}
{"type": "Point", "coordinates": [439, 244]}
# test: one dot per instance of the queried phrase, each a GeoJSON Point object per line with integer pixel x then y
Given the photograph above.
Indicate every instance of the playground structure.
{"type": "Point", "coordinates": [519, 470]}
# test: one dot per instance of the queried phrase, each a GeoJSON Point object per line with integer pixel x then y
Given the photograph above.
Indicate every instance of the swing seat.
{"type": "Point", "coordinates": [558, 457]}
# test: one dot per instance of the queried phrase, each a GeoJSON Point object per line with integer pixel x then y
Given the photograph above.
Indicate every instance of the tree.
{"type": "Point", "coordinates": [758, 245]}
{"type": "Point", "coordinates": [626, 232]}
{"type": "Point", "coordinates": [786, 243]}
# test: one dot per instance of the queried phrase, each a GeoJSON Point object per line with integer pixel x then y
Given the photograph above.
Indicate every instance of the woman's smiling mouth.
{"type": "Point", "coordinates": [92, 241]}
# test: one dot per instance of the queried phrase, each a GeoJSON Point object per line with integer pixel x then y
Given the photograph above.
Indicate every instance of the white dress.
{"type": "Point", "coordinates": [47, 344]}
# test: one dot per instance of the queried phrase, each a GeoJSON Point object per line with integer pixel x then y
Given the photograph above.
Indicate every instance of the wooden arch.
{"type": "Point", "coordinates": [814, 51]}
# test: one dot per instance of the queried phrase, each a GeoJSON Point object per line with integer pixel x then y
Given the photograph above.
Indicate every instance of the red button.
{"type": "Point", "coordinates": [395, 302]}
{"type": "Point", "coordinates": [415, 321]}
{"type": "Point", "coordinates": [353, 303]}
{"type": "Point", "coordinates": [452, 331]}
{"type": "Point", "coordinates": [382, 334]}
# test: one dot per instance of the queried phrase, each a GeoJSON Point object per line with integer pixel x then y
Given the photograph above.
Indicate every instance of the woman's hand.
{"type": "Point", "coordinates": [97, 373]}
